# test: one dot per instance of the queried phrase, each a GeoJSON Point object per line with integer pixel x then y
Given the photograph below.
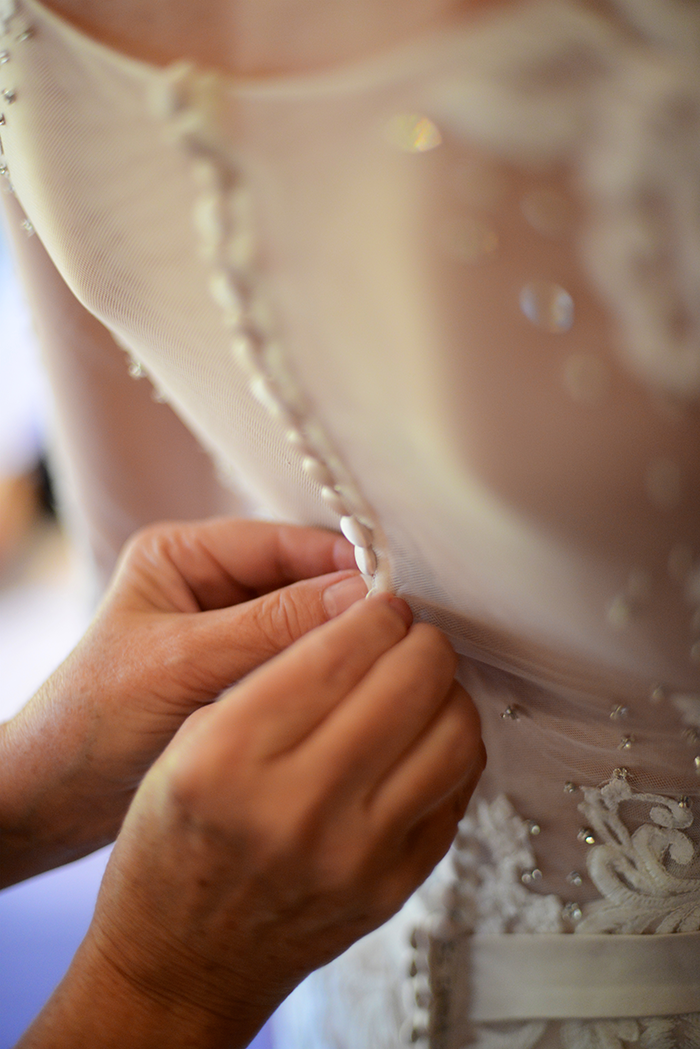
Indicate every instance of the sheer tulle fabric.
{"type": "Point", "coordinates": [469, 270]}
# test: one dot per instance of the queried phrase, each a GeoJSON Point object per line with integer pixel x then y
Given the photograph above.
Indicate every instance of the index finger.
{"type": "Point", "coordinates": [280, 705]}
{"type": "Point", "coordinates": [204, 565]}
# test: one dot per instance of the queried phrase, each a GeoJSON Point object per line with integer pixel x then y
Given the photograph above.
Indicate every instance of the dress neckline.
{"type": "Point", "coordinates": [375, 71]}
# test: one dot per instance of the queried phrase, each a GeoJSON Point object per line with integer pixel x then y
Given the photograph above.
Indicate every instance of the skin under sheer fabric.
{"type": "Point", "coordinates": [449, 296]}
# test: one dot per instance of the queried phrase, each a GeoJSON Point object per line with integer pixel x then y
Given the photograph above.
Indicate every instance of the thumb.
{"type": "Point", "coordinates": [259, 629]}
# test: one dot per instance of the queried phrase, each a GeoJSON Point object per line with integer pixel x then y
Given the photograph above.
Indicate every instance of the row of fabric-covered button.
{"type": "Point", "coordinates": [18, 33]}
{"type": "Point", "coordinates": [224, 219]}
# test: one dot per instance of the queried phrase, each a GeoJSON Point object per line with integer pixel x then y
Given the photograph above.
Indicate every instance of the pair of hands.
{"type": "Point", "coordinates": [279, 823]}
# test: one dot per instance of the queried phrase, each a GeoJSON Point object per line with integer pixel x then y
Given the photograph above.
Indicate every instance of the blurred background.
{"type": "Point", "coordinates": [43, 611]}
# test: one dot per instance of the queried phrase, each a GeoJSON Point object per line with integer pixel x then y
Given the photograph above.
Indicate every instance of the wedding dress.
{"type": "Point", "coordinates": [447, 298]}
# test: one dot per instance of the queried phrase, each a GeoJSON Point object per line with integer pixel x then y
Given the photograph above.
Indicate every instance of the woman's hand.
{"type": "Point", "coordinates": [192, 609]}
{"type": "Point", "coordinates": [281, 824]}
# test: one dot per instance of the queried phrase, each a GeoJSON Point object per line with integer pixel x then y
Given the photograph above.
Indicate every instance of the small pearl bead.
{"type": "Point", "coordinates": [532, 875]}
{"type": "Point", "coordinates": [225, 294]}
{"type": "Point", "coordinates": [279, 411]}
{"type": "Point", "coordinates": [572, 912]}
{"type": "Point", "coordinates": [246, 351]}
{"type": "Point", "coordinates": [298, 440]}
{"type": "Point", "coordinates": [264, 393]}
{"type": "Point", "coordinates": [240, 250]}
{"type": "Point", "coordinates": [333, 500]}
{"type": "Point", "coordinates": [318, 471]}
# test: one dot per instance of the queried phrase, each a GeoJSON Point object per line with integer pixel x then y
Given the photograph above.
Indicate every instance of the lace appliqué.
{"type": "Point", "coordinates": [500, 841]}
{"type": "Point", "coordinates": [667, 1032]}
{"type": "Point", "coordinates": [646, 884]}
{"type": "Point", "coordinates": [674, 1032]}
{"type": "Point", "coordinates": [648, 879]}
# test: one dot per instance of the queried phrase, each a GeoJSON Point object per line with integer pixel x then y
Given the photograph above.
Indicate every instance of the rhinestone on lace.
{"type": "Point", "coordinates": [574, 878]}
{"type": "Point", "coordinates": [626, 743]}
{"type": "Point", "coordinates": [569, 787]}
{"type": "Point", "coordinates": [586, 835]}
{"type": "Point", "coordinates": [511, 713]}
{"type": "Point", "coordinates": [572, 912]}
{"type": "Point", "coordinates": [618, 712]}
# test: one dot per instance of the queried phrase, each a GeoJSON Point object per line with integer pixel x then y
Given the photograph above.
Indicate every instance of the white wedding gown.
{"type": "Point", "coordinates": [450, 298]}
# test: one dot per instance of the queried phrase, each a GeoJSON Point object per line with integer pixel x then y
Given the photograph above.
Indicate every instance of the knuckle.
{"type": "Point", "coordinates": [147, 544]}
{"type": "Point", "coordinates": [187, 786]}
{"type": "Point", "coordinates": [206, 774]}
{"type": "Point", "coordinates": [282, 618]}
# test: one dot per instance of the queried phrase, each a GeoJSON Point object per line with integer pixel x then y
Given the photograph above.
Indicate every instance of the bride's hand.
{"type": "Point", "coordinates": [192, 609]}
{"type": "Point", "coordinates": [281, 824]}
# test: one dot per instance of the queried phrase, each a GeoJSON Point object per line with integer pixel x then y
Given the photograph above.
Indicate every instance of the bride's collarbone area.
{"type": "Point", "coordinates": [256, 38]}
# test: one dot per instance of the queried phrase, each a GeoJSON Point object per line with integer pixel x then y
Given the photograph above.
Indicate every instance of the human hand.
{"type": "Point", "coordinates": [281, 824]}
{"type": "Point", "coordinates": [191, 610]}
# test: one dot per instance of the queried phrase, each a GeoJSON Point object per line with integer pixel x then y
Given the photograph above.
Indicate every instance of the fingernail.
{"type": "Point", "coordinates": [399, 606]}
{"type": "Point", "coordinates": [343, 553]}
{"type": "Point", "coordinates": [339, 596]}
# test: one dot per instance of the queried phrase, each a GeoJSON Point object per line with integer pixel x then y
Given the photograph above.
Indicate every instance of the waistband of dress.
{"type": "Point", "coordinates": [558, 977]}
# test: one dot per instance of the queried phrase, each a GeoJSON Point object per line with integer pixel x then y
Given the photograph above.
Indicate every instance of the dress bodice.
{"type": "Point", "coordinates": [448, 296]}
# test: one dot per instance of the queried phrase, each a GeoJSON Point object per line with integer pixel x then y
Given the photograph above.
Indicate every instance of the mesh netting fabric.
{"type": "Point", "coordinates": [452, 251]}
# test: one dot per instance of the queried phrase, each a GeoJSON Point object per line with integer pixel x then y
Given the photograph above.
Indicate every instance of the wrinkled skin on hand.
{"type": "Point", "coordinates": [291, 817]}
{"type": "Point", "coordinates": [269, 824]}
{"type": "Point", "coordinates": [192, 609]}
